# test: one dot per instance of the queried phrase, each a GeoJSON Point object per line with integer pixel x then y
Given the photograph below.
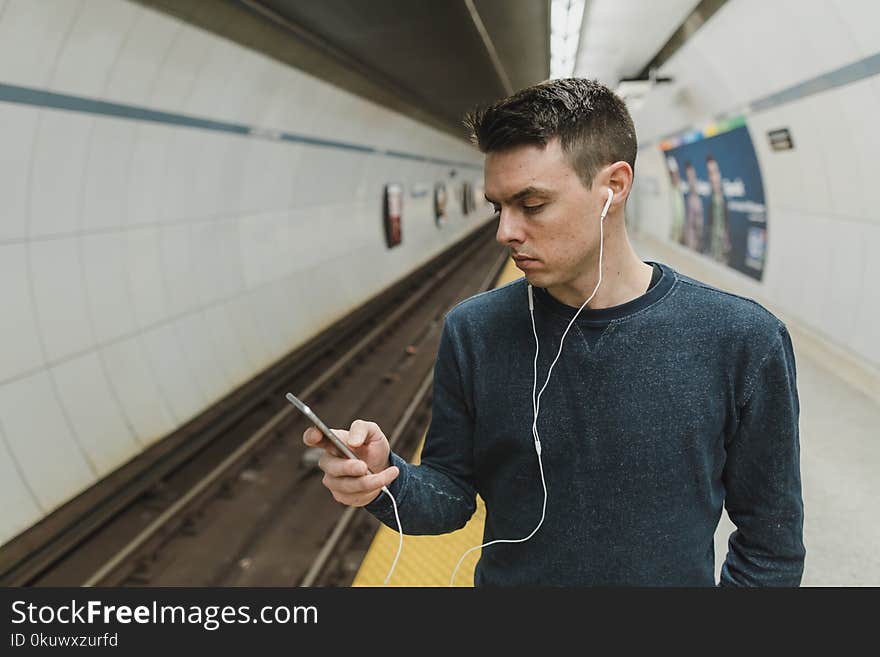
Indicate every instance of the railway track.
{"type": "Point", "coordinates": [341, 554]}
{"type": "Point", "coordinates": [240, 502]}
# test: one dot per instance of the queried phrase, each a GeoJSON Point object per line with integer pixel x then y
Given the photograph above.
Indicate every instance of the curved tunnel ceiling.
{"type": "Point", "coordinates": [432, 52]}
{"type": "Point", "coordinates": [426, 59]}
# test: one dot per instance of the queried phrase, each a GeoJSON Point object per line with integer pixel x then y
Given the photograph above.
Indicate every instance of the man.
{"type": "Point", "coordinates": [693, 230]}
{"type": "Point", "coordinates": [719, 240]}
{"type": "Point", "coordinates": [676, 233]}
{"type": "Point", "coordinates": [670, 398]}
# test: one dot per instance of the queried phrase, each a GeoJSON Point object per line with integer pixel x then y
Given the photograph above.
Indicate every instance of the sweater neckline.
{"type": "Point", "coordinates": [601, 316]}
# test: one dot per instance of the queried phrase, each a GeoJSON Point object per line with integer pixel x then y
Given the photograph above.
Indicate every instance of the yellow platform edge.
{"type": "Point", "coordinates": [428, 560]}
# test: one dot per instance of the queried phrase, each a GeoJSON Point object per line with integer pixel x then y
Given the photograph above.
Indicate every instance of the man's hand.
{"type": "Point", "coordinates": [350, 481]}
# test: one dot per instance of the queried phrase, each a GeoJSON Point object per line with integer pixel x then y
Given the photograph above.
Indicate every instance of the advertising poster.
{"type": "Point", "coordinates": [440, 204]}
{"type": "Point", "coordinates": [392, 210]}
{"type": "Point", "coordinates": [718, 206]}
{"type": "Point", "coordinates": [467, 198]}
{"type": "Point", "coordinates": [480, 197]}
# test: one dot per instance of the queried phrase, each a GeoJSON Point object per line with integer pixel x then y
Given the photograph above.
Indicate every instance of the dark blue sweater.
{"type": "Point", "coordinates": [659, 411]}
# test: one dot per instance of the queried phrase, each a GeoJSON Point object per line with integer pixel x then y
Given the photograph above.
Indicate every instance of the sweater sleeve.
{"type": "Point", "coordinates": [437, 496]}
{"type": "Point", "coordinates": [762, 478]}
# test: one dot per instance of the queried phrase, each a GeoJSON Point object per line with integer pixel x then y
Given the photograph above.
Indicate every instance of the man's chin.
{"type": "Point", "coordinates": [536, 279]}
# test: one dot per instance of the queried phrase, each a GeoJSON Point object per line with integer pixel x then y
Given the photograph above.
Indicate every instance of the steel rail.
{"type": "Point", "coordinates": [332, 543]}
{"type": "Point", "coordinates": [180, 506]}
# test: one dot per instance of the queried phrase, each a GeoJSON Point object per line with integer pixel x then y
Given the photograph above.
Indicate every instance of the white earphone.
{"type": "Point", "coordinates": [607, 204]}
{"type": "Point", "coordinates": [536, 400]}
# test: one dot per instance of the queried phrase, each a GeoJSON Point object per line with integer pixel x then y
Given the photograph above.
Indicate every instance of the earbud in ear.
{"type": "Point", "coordinates": [607, 204]}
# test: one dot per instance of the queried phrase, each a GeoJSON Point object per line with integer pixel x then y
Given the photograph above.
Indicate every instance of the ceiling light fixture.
{"type": "Point", "coordinates": [566, 17]}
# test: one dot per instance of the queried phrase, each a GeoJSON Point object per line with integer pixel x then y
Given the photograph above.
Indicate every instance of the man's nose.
{"type": "Point", "coordinates": [509, 230]}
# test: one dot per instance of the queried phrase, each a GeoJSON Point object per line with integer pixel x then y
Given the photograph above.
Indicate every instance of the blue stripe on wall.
{"type": "Point", "coordinates": [40, 98]}
{"type": "Point", "coordinates": [859, 70]}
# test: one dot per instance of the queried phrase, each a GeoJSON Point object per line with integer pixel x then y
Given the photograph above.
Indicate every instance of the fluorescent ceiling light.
{"type": "Point", "coordinates": [633, 91]}
{"type": "Point", "coordinates": [565, 31]}
{"type": "Point", "coordinates": [633, 88]}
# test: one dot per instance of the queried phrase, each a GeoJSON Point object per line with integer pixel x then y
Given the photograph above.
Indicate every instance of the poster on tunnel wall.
{"type": "Point", "coordinates": [718, 206]}
{"type": "Point", "coordinates": [392, 214]}
{"type": "Point", "coordinates": [440, 204]}
{"type": "Point", "coordinates": [467, 198]}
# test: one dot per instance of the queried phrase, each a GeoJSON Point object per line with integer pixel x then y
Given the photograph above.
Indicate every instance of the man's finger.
{"type": "Point", "coordinates": [365, 484]}
{"type": "Point", "coordinates": [360, 431]}
{"type": "Point", "coordinates": [358, 500]}
{"type": "Point", "coordinates": [389, 474]}
{"type": "Point", "coordinates": [312, 437]}
{"type": "Point", "coordinates": [351, 485]}
{"type": "Point", "coordinates": [342, 467]}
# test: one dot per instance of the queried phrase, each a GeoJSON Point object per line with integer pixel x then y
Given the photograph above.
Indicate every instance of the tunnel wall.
{"type": "Point", "coordinates": [811, 67]}
{"type": "Point", "coordinates": [178, 213]}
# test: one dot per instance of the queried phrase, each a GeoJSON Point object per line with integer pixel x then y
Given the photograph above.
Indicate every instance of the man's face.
{"type": "Point", "coordinates": [547, 215]}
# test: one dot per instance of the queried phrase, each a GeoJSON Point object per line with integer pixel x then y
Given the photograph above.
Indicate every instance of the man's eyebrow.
{"type": "Point", "coordinates": [528, 191]}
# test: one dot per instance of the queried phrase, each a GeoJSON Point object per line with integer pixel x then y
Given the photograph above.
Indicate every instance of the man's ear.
{"type": "Point", "coordinates": [619, 178]}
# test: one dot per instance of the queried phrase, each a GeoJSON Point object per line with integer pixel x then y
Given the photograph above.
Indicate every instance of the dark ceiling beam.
{"type": "Point", "coordinates": [697, 18]}
{"type": "Point", "coordinates": [254, 30]}
{"type": "Point", "coordinates": [490, 46]}
{"type": "Point", "coordinates": [343, 57]}
{"type": "Point", "coordinates": [520, 32]}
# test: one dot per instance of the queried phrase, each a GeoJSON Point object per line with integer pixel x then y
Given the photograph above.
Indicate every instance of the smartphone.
{"type": "Point", "coordinates": [342, 447]}
{"type": "Point", "coordinates": [323, 428]}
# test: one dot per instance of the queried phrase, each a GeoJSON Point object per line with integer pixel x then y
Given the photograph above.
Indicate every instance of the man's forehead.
{"type": "Point", "coordinates": [526, 155]}
{"type": "Point", "coordinates": [528, 191]}
{"type": "Point", "coordinates": [524, 168]}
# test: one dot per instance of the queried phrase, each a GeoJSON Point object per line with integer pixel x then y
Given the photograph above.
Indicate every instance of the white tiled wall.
{"type": "Point", "coordinates": [147, 269]}
{"type": "Point", "coordinates": [38, 29]}
{"type": "Point", "coordinates": [130, 375]}
{"type": "Point", "coordinates": [21, 505]}
{"type": "Point", "coordinates": [100, 27]}
{"type": "Point", "coordinates": [823, 199]}
{"type": "Point", "coordinates": [59, 297]}
{"type": "Point", "coordinates": [104, 433]}
{"type": "Point", "coordinates": [18, 323]}
{"type": "Point", "coordinates": [17, 129]}
{"type": "Point", "coordinates": [40, 439]}
{"type": "Point", "coordinates": [56, 173]}
{"type": "Point", "coordinates": [107, 160]}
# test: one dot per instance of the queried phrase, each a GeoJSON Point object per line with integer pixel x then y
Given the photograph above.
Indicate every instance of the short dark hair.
{"type": "Point", "coordinates": [591, 121]}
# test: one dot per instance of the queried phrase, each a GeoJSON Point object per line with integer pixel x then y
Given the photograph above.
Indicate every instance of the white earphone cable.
{"type": "Point", "coordinates": [536, 400]}
{"type": "Point", "coordinates": [399, 531]}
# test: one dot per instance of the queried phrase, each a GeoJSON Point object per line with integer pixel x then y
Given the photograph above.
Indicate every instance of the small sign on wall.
{"type": "Point", "coordinates": [393, 211]}
{"type": "Point", "coordinates": [440, 204]}
{"type": "Point", "coordinates": [780, 140]}
{"type": "Point", "coordinates": [467, 198]}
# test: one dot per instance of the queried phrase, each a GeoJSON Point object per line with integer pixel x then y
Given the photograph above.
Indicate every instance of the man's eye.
{"type": "Point", "coordinates": [532, 209]}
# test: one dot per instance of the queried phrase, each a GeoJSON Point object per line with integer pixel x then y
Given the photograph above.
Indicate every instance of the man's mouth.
{"type": "Point", "coordinates": [525, 263]}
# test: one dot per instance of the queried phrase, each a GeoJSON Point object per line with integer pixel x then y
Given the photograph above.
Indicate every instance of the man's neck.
{"type": "Point", "coordinates": [624, 278]}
